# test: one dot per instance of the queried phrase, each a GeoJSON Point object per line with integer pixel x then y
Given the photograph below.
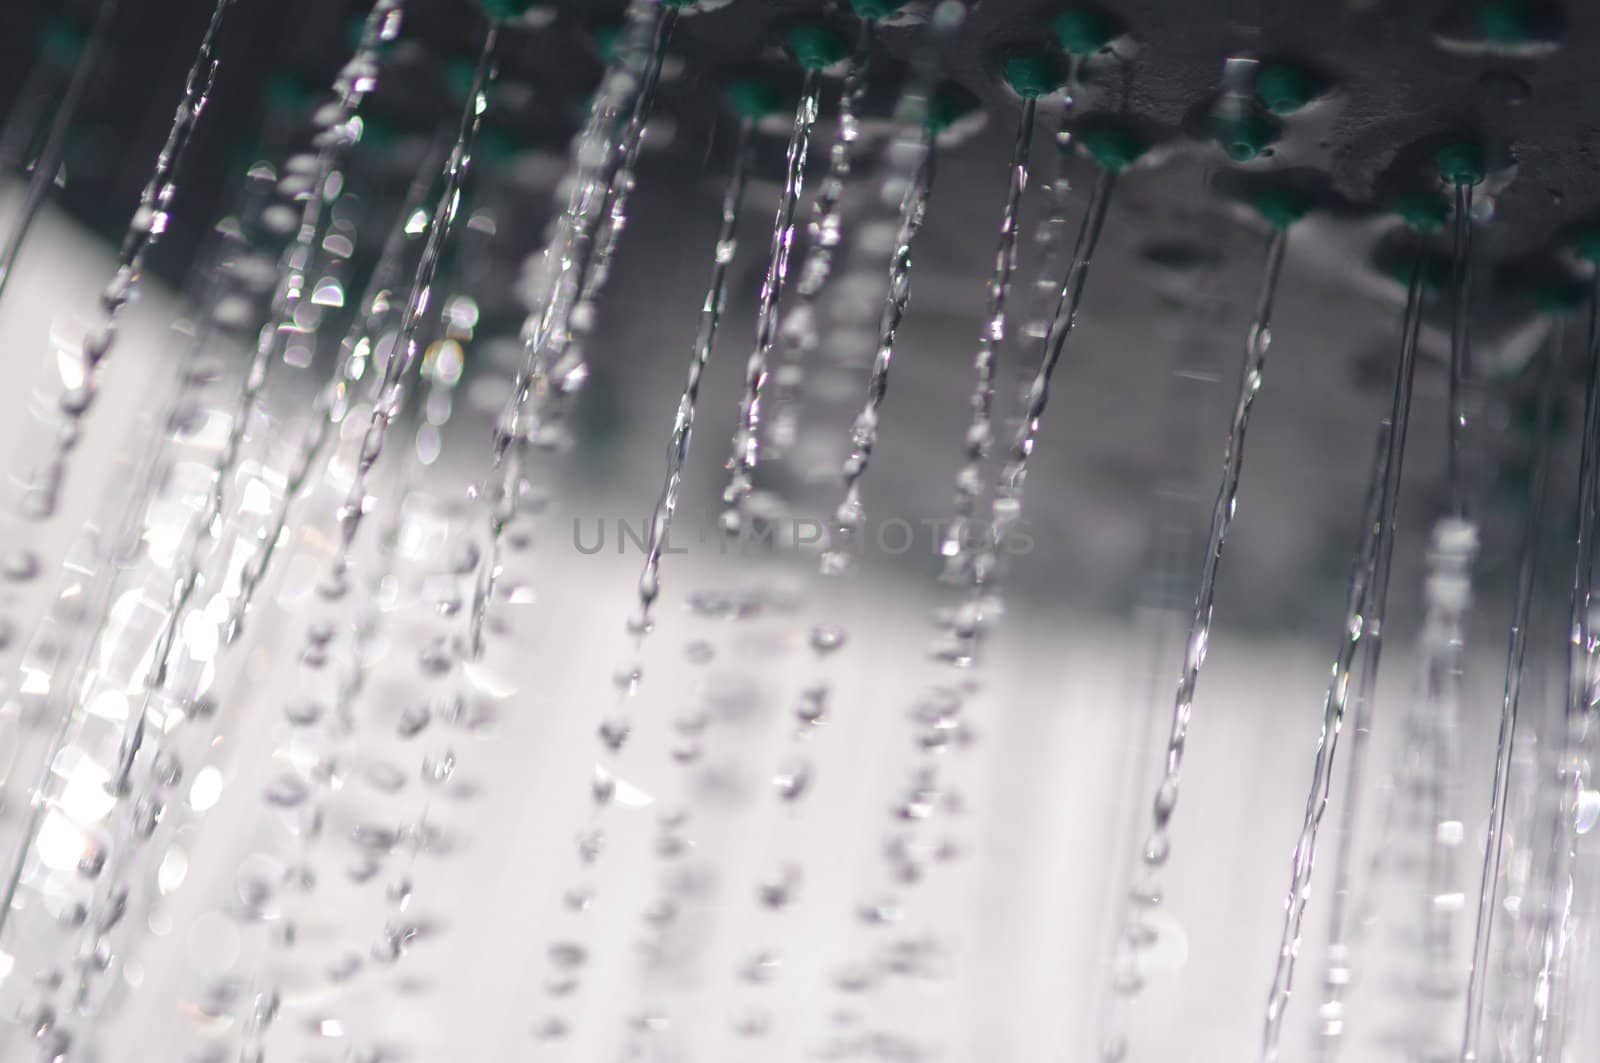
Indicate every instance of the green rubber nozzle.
{"type": "Point", "coordinates": [607, 39]}
{"type": "Point", "coordinates": [1460, 163]}
{"type": "Point", "coordinates": [949, 104]}
{"type": "Point", "coordinates": [287, 93]}
{"type": "Point", "coordinates": [355, 29]}
{"type": "Point", "coordinates": [1558, 298]}
{"type": "Point", "coordinates": [459, 75]}
{"type": "Point", "coordinates": [816, 46]}
{"type": "Point", "coordinates": [1082, 32]}
{"type": "Point", "coordinates": [378, 133]}
{"type": "Point", "coordinates": [497, 147]}
{"type": "Point", "coordinates": [1505, 22]}
{"type": "Point", "coordinates": [1033, 73]}
{"type": "Point", "coordinates": [1283, 89]}
{"type": "Point", "coordinates": [1586, 245]}
{"type": "Point", "coordinates": [1243, 136]}
{"type": "Point", "coordinates": [61, 43]}
{"type": "Point", "coordinates": [1114, 149]}
{"type": "Point", "coordinates": [872, 9]}
{"type": "Point", "coordinates": [1435, 274]}
{"type": "Point", "coordinates": [754, 99]}
{"type": "Point", "coordinates": [1281, 207]}
{"type": "Point", "coordinates": [505, 8]}
{"type": "Point", "coordinates": [1424, 213]}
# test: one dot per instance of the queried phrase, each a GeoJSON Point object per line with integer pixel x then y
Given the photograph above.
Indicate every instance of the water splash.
{"type": "Point", "coordinates": [1305, 849]}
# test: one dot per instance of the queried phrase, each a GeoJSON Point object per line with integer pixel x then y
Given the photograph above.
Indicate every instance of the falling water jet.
{"type": "Point", "coordinates": [1434, 716]}
{"type": "Point", "coordinates": [434, 410]}
{"type": "Point", "coordinates": [1370, 588]}
{"type": "Point", "coordinates": [598, 152]}
{"type": "Point", "coordinates": [41, 495]}
{"type": "Point", "coordinates": [1281, 211]}
{"type": "Point", "coordinates": [1082, 34]}
{"type": "Point", "coordinates": [332, 401]}
{"type": "Point", "coordinates": [391, 392]}
{"type": "Point", "coordinates": [925, 110]}
{"type": "Point", "coordinates": [1460, 166]}
{"type": "Point", "coordinates": [1436, 720]}
{"type": "Point", "coordinates": [623, 181]}
{"type": "Point", "coordinates": [864, 431]}
{"type": "Point", "coordinates": [710, 318]}
{"type": "Point", "coordinates": [1582, 691]}
{"type": "Point", "coordinates": [1360, 622]}
{"type": "Point", "coordinates": [48, 164]}
{"type": "Point", "coordinates": [602, 152]}
{"type": "Point", "coordinates": [353, 85]}
{"type": "Point", "coordinates": [815, 48]}
{"type": "Point", "coordinates": [1516, 652]}
{"type": "Point", "coordinates": [1031, 75]}
{"type": "Point", "coordinates": [920, 115]}
{"type": "Point", "coordinates": [1364, 622]}
{"type": "Point", "coordinates": [1050, 238]}
{"type": "Point", "coordinates": [797, 332]}
{"type": "Point", "coordinates": [1114, 150]}
{"type": "Point", "coordinates": [381, 26]}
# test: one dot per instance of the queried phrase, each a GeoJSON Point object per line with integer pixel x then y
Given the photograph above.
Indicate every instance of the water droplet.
{"type": "Point", "coordinates": [602, 787]}
{"type": "Point", "coordinates": [778, 889]}
{"type": "Point", "coordinates": [437, 770]}
{"type": "Point", "coordinates": [614, 733]}
{"type": "Point", "coordinates": [303, 713]}
{"type": "Point", "coordinates": [435, 658]}
{"type": "Point", "coordinates": [286, 791]}
{"type": "Point", "coordinates": [412, 720]}
{"type": "Point", "coordinates": [590, 845]}
{"type": "Point", "coordinates": [826, 638]}
{"type": "Point", "coordinates": [753, 1023]}
{"type": "Point", "coordinates": [792, 779]}
{"type": "Point", "coordinates": [813, 707]}
{"type": "Point", "coordinates": [761, 968]}
{"type": "Point", "coordinates": [568, 955]}
{"type": "Point", "coordinates": [20, 566]}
